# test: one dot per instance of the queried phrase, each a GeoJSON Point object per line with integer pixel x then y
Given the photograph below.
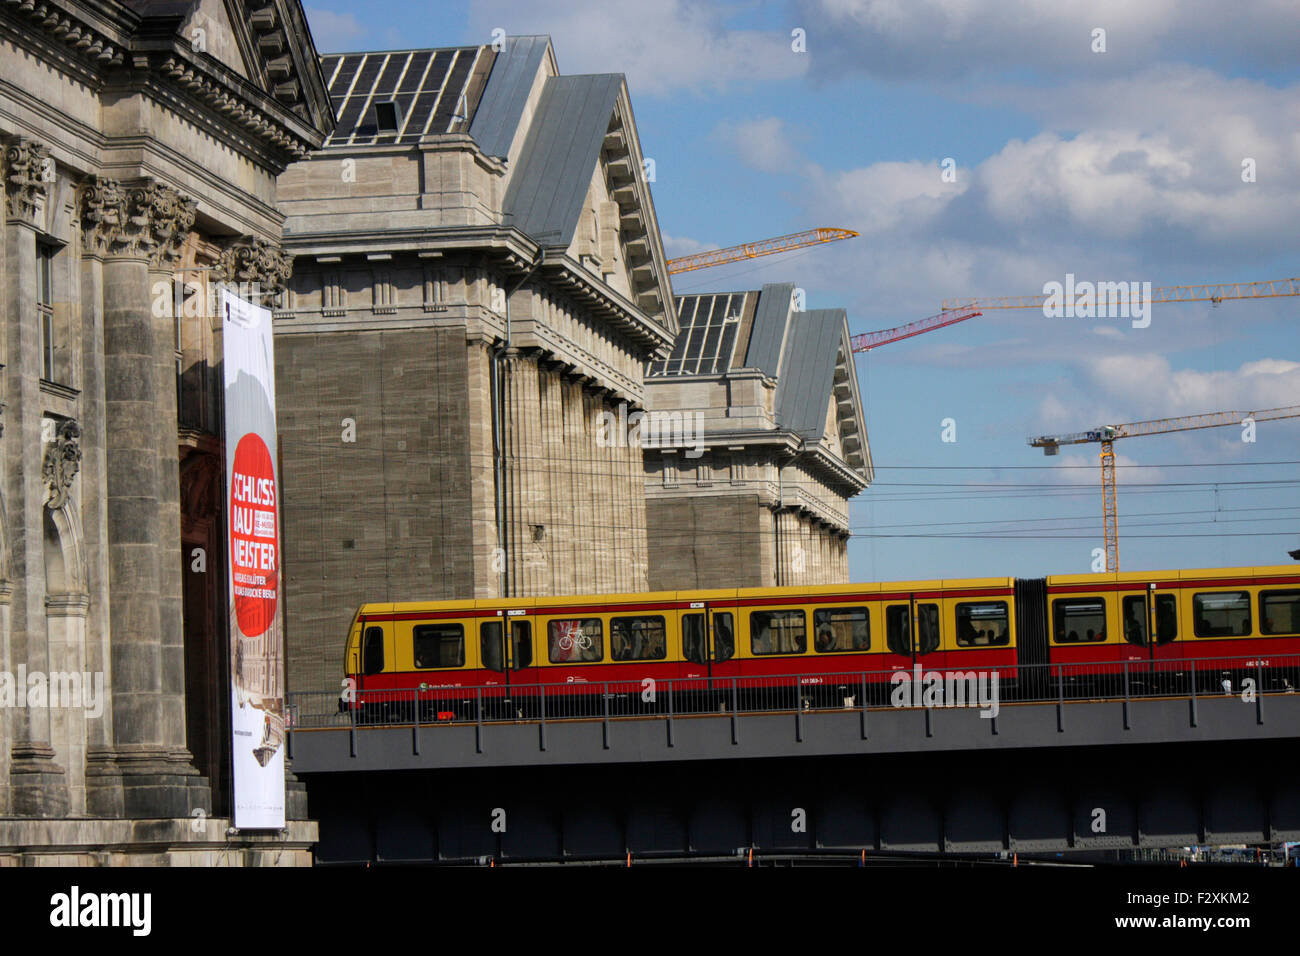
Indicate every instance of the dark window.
{"type": "Point", "coordinates": [1221, 614]}
{"type": "Point", "coordinates": [521, 633]}
{"type": "Point", "coordinates": [1279, 612]}
{"type": "Point", "coordinates": [45, 307]}
{"type": "Point", "coordinates": [1135, 620]}
{"type": "Point", "coordinates": [777, 632]}
{"type": "Point", "coordinates": [576, 640]}
{"type": "Point", "coordinates": [927, 627]}
{"type": "Point", "coordinates": [372, 653]}
{"type": "Point", "coordinates": [386, 117]}
{"type": "Point", "coordinates": [1078, 620]}
{"type": "Point", "coordinates": [841, 629]}
{"type": "Point", "coordinates": [983, 625]}
{"type": "Point", "coordinates": [724, 636]}
{"type": "Point", "coordinates": [693, 644]}
{"type": "Point", "coordinates": [1166, 618]}
{"type": "Point", "coordinates": [898, 629]}
{"type": "Point", "coordinates": [439, 645]}
{"type": "Point", "coordinates": [490, 647]}
{"type": "Point", "coordinates": [637, 639]}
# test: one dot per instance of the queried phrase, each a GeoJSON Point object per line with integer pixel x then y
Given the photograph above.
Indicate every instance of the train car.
{"type": "Point", "coordinates": [1151, 627]}
{"type": "Point", "coordinates": [779, 648]}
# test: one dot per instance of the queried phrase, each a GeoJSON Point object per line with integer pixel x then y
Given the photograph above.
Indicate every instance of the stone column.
{"type": "Point", "coordinates": [38, 781]}
{"type": "Point", "coordinates": [137, 229]}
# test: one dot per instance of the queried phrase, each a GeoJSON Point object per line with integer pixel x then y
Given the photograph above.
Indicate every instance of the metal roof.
{"type": "Point", "coordinates": [502, 105]}
{"type": "Point", "coordinates": [804, 387]}
{"type": "Point", "coordinates": [565, 138]}
{"type": "Point", "coordinates": [771, 321]}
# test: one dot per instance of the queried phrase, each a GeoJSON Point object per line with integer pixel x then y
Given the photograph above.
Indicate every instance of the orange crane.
{"type": "Point", "coordinates": [1108, 434]}
{"type": "Point", "coordinates": [1214, 292]}
{"type": "Point", "coordinates": [752, 250]}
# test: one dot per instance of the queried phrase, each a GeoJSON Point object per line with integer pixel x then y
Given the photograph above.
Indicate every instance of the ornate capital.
{"type": "Point", "coordinates": [28, 170]}
{"type": "Point", "coordinates": [61, 464]}
{"type": "Point", "coordinates": [249, 259]}
{"type": "Point", "coordinates": [102, 204]}
{"type": "Point", "coordinates": [161, 218]}
{"type": "Point", "coordinates": [144, 219]}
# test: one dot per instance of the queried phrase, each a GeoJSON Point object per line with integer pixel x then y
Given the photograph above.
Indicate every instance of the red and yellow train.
{"type": "Point", "coordinates": [1075, 627]}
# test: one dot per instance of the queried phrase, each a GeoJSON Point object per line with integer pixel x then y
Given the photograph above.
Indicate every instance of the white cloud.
{"type": "Point", "coordinates": [334, 32]}
{"type": "Point", "coordinates": [1151, 388]}
{"type": "Point", "coordinates": [675, 246]}
{"type": "Point", "coordinates": [764, 144]}
{"type": "Point", "coordinates": [662, 47]}
{"type": "Point", "coordinates": [950, 38]}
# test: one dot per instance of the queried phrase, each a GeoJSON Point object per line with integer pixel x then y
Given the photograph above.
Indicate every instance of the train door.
{"type": "Point", "coordinates": [913, 634]}
{"type": "Point", "coordinates": [1150, 627]}
{"type": "Point", "coordinates": [708, 642]}
{"type": "Point", "coordinates": [507, 652]}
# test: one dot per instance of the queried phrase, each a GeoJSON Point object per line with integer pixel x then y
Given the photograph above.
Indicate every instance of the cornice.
{"type": "Point", "coordinates": [118, 47]}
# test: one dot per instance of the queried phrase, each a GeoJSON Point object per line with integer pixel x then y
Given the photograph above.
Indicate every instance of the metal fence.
{"type": "Point", "coordinates": [923, 688]}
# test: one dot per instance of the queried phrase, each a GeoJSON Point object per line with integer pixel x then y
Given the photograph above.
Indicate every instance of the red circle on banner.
{"type": "Point", "coordinates": [254, 538]}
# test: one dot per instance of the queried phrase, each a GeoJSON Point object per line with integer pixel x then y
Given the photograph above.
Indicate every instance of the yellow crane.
{"type": "Point", "coordinates": [1108, 434]}
{"type": "Point", "coordinates": [752, 250]}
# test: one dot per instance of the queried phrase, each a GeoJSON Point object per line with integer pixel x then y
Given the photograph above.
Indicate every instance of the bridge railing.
{"type": "Point", "coordinates": [922, 686]}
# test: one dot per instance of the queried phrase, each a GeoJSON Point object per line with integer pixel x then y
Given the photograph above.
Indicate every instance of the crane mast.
{"type": "Point", "coordinates": [1106, 435]}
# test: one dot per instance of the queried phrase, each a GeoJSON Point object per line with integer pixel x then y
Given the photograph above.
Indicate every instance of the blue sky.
{"type": "Point", "coordinates": [1122, 164]}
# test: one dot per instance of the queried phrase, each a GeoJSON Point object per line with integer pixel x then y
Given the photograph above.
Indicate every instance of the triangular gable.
{"type": "Point", "coordinates": [581, 184]}
{"type": "Point", "coordinates": [211, 29]}
{"type": "Point", "coordinates": [266, 43]}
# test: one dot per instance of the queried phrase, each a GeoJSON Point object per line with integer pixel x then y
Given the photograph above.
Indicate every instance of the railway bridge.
{"type": "Point", "coordinates": [1061, 769]}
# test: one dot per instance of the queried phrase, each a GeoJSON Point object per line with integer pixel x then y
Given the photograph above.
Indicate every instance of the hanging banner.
{"type": "Point", "coordinates": [253, 524]}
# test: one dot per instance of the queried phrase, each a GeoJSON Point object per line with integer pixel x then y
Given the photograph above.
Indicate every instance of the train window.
{"type": "Point", "coordinates": [1279, 612]}
{"type": "Point", "coordinates": [927, 628]}
{"type": "Point", "coordinates": [1166, 618]}
{"type": "Point", "coordinates": [1135, 620]}
{"type": "Point", "coordinates": [841, 629]}
{"type": "Point", "coordinates": [439, 645]}
{"type": "Point", "coordinates": [521, 634]}
{"type": "Point", "coordinates": [1221, 614]}
{"type": "Point", "coordinates": [898, 629]}
{"type": "Point", "coordinates": [777, 632]}
{"type": "Point", "coordinates": [576, 640]}
{"type": "Point", "coordinates": [490, 647]}
{"type": "Point", "coordinates": [637, 639]}
{"type": "Point", "coordinates": [373, 651]}
{"type": "Point", "coordinates": [693, 644]}
{"type": "Point", "coordinates": [724, 636]}
{"type": "Point", "coordinates": [986, 624]}
{"type": "Point", "coordinates": [1078, 620]}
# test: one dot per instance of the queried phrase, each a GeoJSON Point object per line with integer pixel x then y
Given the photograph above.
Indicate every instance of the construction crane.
{"type": "Point", "coordinates": [866, 341]}
{"type": "Point", "coordinates": [1214, 292]}
{"type": "Point", "coordinates": [752, 250]}
{"type": "Point", "coordinates": [1108, 434]}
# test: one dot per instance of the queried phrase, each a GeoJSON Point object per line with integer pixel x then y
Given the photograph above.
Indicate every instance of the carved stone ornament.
{"type": "Point", "coordinates": [28, 172]}
{"type": "Point", "coordinates": [256, 261]}
{"type": "Point", "coordinates": [61, 464]}
{"type": "Point", "coordinates": [142, 219]}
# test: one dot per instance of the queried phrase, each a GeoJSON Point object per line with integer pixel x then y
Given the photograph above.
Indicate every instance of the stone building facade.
{"type": "Point", "coordinates": [478, 278]}
{"type": "Point", "coordinates": [142, 141]}
{"type": "Point", "coordinates": [758, 443]}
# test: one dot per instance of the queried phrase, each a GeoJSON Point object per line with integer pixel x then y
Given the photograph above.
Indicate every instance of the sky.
{"type": "Point", "coordinates": [1105, 139]}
